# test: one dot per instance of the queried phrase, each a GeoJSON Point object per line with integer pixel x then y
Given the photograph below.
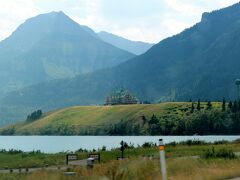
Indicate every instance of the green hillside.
{"type": "Point", "coordinates": [95, 119]}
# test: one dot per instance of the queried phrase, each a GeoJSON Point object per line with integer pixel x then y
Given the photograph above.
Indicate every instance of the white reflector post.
{"type": "Point", "coordinates": [162, 159]}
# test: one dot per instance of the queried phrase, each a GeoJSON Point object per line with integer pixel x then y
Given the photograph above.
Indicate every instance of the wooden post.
{"type": "Point", "coordinates": [162, 159]}
{"type": "Point", "coordinates": [122, 148]}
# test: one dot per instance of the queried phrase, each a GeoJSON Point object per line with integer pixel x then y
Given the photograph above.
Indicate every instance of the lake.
{"type": "Point", "coordinates": [53, 144]}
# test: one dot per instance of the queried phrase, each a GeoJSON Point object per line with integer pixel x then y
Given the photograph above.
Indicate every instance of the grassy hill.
{"type": "Point", "coordinates": [93, 119]}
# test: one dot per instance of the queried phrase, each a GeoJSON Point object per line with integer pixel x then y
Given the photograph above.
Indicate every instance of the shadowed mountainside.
{"type": "Point", "coordinates": [135, 47]}
{"type": "Point", "coordinates": [52, 46]}
{"type": "Point", "coordinates": [201, 62]}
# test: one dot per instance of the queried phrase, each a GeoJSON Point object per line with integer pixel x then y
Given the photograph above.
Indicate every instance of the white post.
{"type": "Point", "coordinates": [162, 159]}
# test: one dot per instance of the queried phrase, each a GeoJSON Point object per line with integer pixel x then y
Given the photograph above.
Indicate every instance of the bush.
{"type": "Point", "coordinates": [221, 142]}
{"type": "Point", "coordinates": [148, 145]}
{"type": "Point", "coordinates": [237, 141]}
{"type": "Point", "coordinates": [192, 142]}
{"type": "Point", "coordinates": [221, 153]}
{"type": "Point", "coordinates": [172, 144]}
{"type": "Point", "coordinates": [8, 131]}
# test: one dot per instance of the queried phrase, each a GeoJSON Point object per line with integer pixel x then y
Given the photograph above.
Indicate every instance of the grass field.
{"type": "Point", "coordinates": [14, 160]}
{"type": "Point", "coordinates": [142, 169]}
{"type": "Point", "coordinates": [81, 118]}
{"type": "Point", "coordinates": [183, 162]}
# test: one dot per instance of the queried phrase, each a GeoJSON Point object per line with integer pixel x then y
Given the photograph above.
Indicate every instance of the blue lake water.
{"type": "Point", "coordinates": [53, 144]}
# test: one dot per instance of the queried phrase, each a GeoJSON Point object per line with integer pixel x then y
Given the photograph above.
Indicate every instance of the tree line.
{"type": "Point", "coordinates": [197, 120]}
{"type": "Point", "coordinates": [34, 115]}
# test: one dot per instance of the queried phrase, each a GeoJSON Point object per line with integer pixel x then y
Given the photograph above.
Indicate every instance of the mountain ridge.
{"type": "Point", "coordinates": [200, 62]}
{"type": "Point", "coordinates": [135, 47]}
{"type": "Point", "coordinates": [53, 46]}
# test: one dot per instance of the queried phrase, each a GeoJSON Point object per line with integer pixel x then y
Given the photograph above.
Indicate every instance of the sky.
{"type": "Point", "coordinates": [142, 20]}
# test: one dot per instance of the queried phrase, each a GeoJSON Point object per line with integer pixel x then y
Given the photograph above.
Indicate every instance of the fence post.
{"type": "Point", "coordinates": [162, 159]}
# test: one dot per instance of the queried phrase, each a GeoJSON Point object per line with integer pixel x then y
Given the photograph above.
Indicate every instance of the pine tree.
{"type": "Point", "coordinates": [235, 107]}
{"type": "Point", "coordinates": [224, 105]}
{"type": "Point", "coordinates": [192, 108]}
{"type": "Point", "coordinates": [144, 119]}
{"type": "Point", "coordinates": [153, 120]}
{"type": "Point", "coordinates": [209, 105]}
{"type": "Point", "coordinates": [199, 105]}
{"type": "Point", "coordinates": [230, 105]}
{"type": "Point", "coordinates": [238, 107]}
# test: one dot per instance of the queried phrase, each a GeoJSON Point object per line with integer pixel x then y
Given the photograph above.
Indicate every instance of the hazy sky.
{"type": "Point", "coordinates": [145, 20]}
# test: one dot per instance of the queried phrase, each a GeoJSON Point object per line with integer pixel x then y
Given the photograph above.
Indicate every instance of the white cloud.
{"type": "Point", "coordinates": [92, 15]}
{"type": "Point", "coordinates": [225, 3]}
{"type": "Point", "coordinates": [149, 20]}
{"type": "Point", "coordinates": [184, 7]}
{"type": "Point", "coordinates": [174, 26]}
{"type": "Point", "coordinates": [13, 13]}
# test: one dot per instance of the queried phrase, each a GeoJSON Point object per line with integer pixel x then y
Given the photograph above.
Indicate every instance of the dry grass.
{"type": "Point", "coordinates": [145, 169]}
{"type": "Point", "coordinates": [198, 169]}
{"type": "Point", "coordinates": [86, 116]}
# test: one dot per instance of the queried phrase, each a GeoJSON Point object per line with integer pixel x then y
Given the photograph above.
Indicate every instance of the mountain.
{"type": "Point", "coordinates": [135, 47]}
{"type": "Point", "coordinates": [200, 62]}
{"type": "Point", "coordinates": [51, 46]}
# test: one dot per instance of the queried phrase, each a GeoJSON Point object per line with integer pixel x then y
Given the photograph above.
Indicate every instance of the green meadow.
{"type": "Point", "coordinates": [186, 160]}
{"type": "Point", "coordinates": [86, 120]}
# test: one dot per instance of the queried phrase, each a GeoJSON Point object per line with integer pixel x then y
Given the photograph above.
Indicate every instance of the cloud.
{"type": "Point", "coordinates": [225, 3]}
{"type": "Point", "coordinates": [184, 7]}
{"type": "Point", "coordinates": [145, 20]}
{"type": "Point", "coordinates": [89, 13]}
{"type": "Point", "coordinates": [13, 13]}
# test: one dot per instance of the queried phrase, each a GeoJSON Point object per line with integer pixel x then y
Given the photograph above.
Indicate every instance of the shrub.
{"type": "Point", "coordinates": [193, 142]}
{"type": "Point", "coordinates": [221, 142]}
{"type": "Point", "coordinates": [221, 153]}
{"type": "Point", "coordinates": [237, 141]}
{"type": "Point", "coordinates": [148, 145]}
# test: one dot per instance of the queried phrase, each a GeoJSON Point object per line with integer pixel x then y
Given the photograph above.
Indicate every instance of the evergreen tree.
{"type": "Point", "coordinates": [238, 107]}
{"type": "Point", "coordinates": [154, 127]}
{"type": "Point", "coordinates": [153, 120]}
{"type": "Point", "coordinates": [199, 105]}
{"type": "Point", "coordinates": [35, 115]}
{"type": "Point", "coordinates": [144, 119]}
{"type": "Point", "coordinates": [223, 104]}
{"type": "Point", "coordinates": [230, 105]}
{"type": "Point", "coordinates": [235, 107]}
{"type": "Point", "coordinates": [192, 108]}
{"type": "Point", "coordinates": [209, 105]}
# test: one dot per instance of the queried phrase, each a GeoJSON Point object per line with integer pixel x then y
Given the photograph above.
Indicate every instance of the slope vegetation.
{"type": "Point", "coordinates": [87, 119]}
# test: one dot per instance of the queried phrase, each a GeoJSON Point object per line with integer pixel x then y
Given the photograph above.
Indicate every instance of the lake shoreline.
{"type": "Point", "coordinates": [54, 144]}
{"type": "Point", "coordinates": [186, 159]}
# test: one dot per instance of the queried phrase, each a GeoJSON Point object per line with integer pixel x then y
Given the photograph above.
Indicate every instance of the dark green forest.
{"type": "Point", "coordinates": [197, 120]}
